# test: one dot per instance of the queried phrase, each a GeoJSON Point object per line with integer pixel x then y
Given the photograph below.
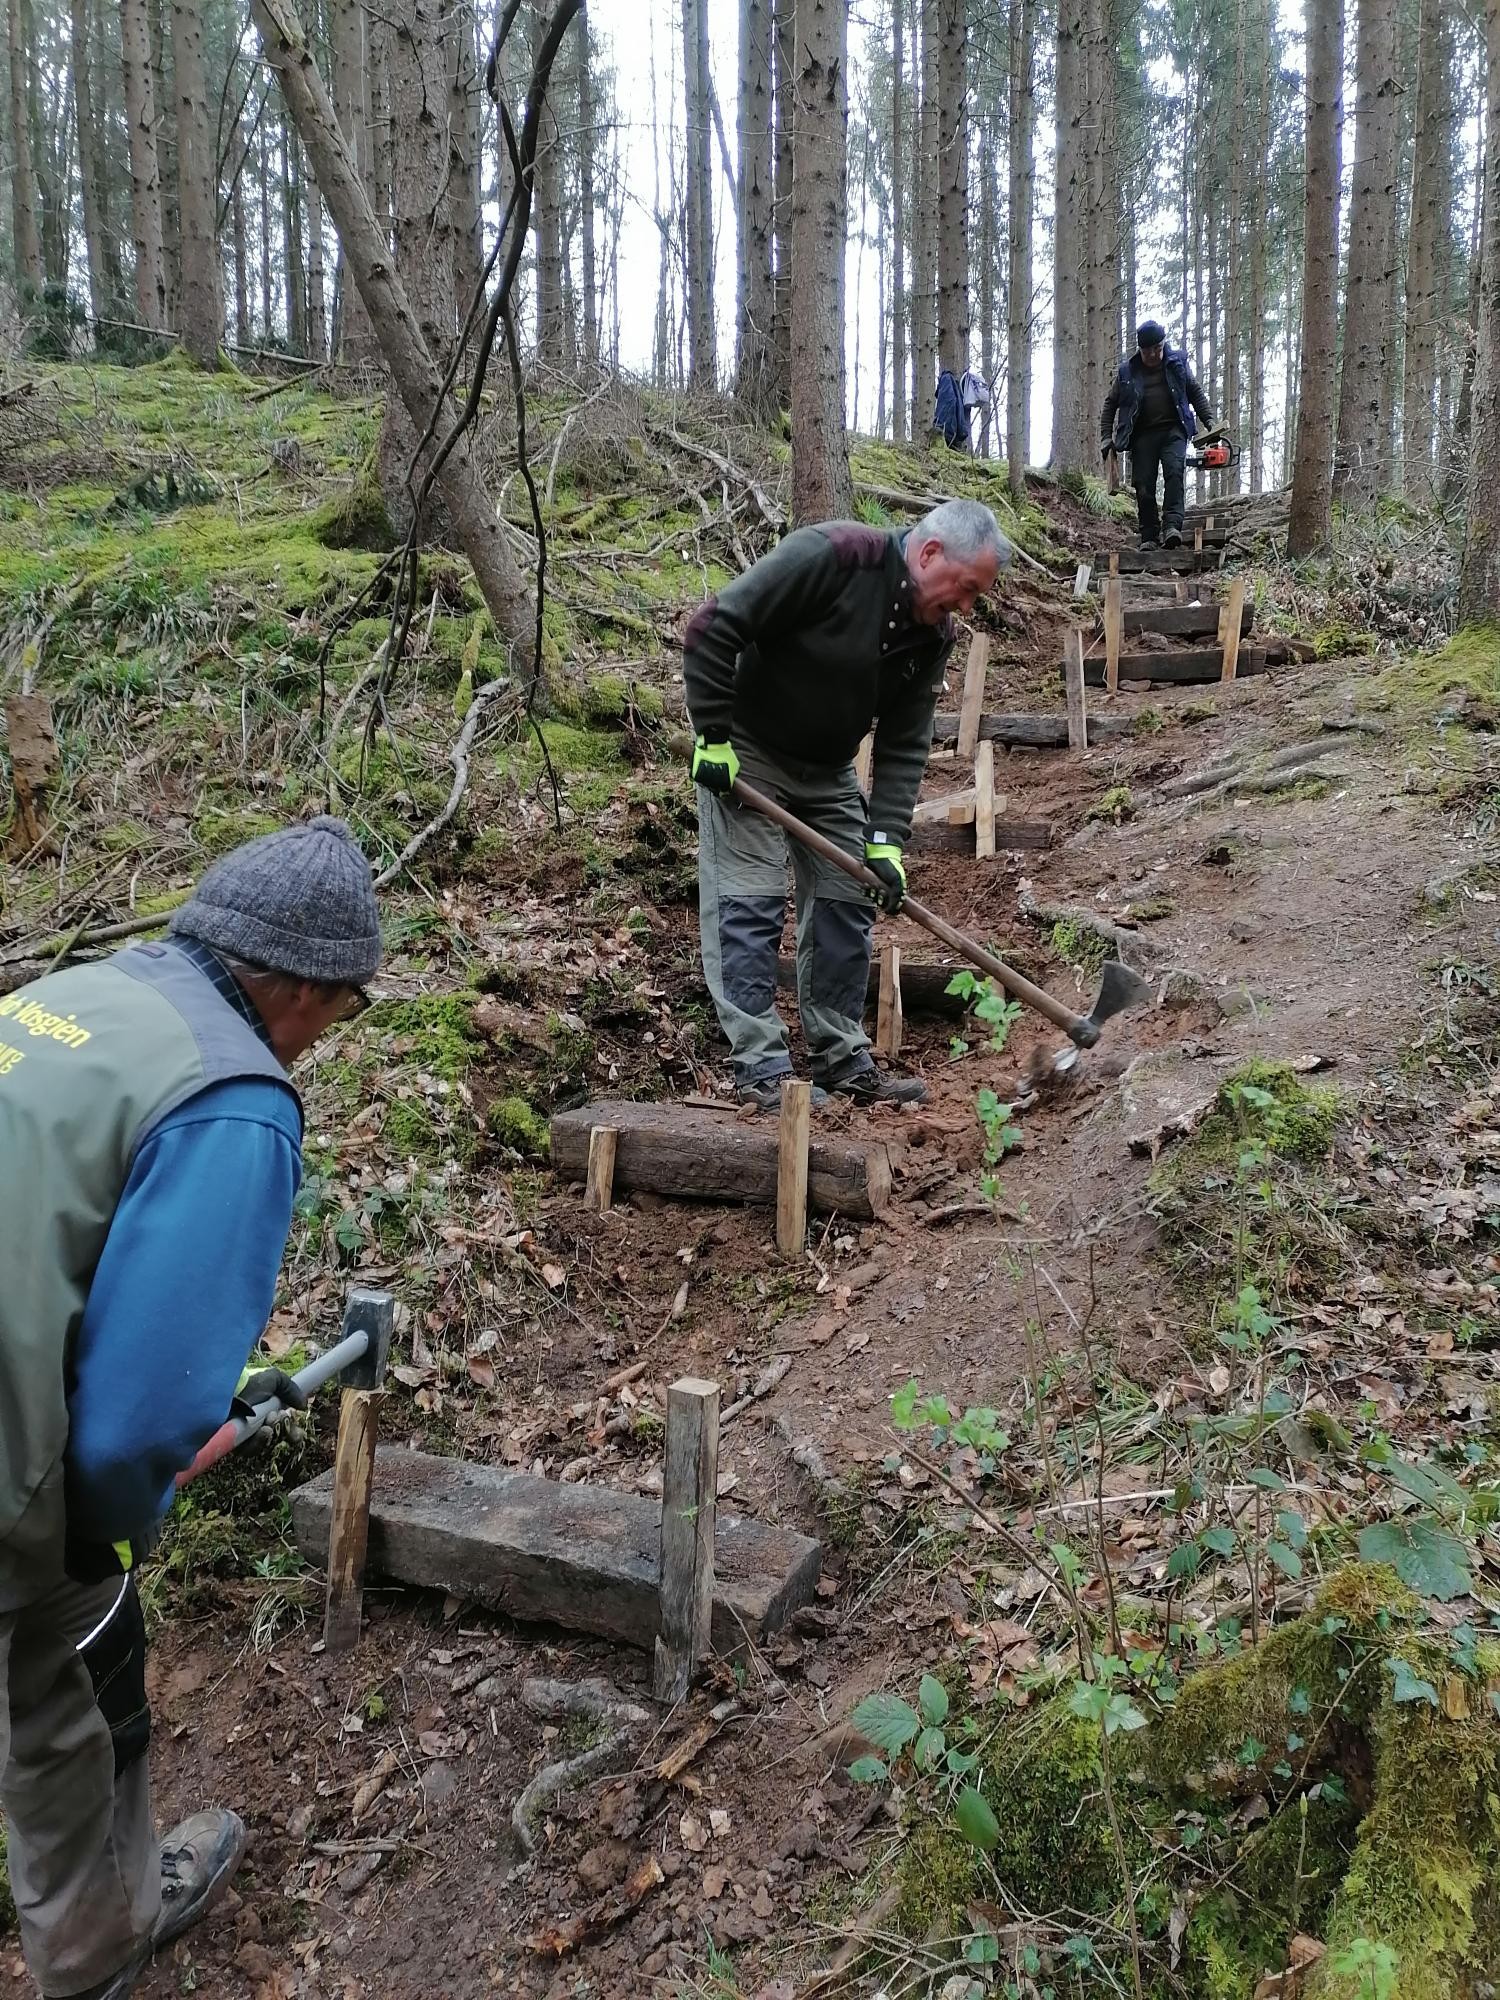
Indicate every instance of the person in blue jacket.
{"type": "Point", "coordinates": [152, 1143]}
{"type": "Point", "coordinates": [1149, 413]}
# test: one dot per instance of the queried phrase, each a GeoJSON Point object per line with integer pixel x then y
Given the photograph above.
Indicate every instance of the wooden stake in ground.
{"type": "Point", "coordinates": [889, 1017]}
{"type": "Point", "coordinates": [973, 702]}
{"type": "Point", "coordinates": [791, 1166]}
{"type": "Point", "coordinates": [1078, 728]}
{"type": "Point", "coordinates": [1081, 580]}
{"type": "Point", "coordinates": [35, 767]}
{"type": "Point", "coordinates": [349, 1534]}
{"type": "Point", "coordinates": [690, 1478]}
{"type": "Point", "coordinates": [1114, 631]}
{"type": "Point", "coordinates": [1231, 617]}
{"type": "Point", "coordinates": [599, 1189]}
{"type": "Point", "coordinates": [984, 801]}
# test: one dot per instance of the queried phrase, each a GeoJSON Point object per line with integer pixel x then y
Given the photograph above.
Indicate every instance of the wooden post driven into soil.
{"type": "Point", "coordinates": [1230, 619]}
{"type": "Point", "coordinates": [349, 1534]}
{"type": "Point", "coordinates": [1114, 631]}
{"type": "Point", "coordinates": [34, 767]}
{"type": "Point", "coordinates": [690, 1478]}
{"type": "Point", "coordinates": [599, 1189]}
{"type": "Point", "coordinates": [890, 1017]}
{"type": "Point", "coordinates": [973, 698]}
{"type": "Point", "coordinates": [984, 801]}
{"type": "Point", "coordinates": [791, 1166]}
{"type": "Point", "coordinates": [1078, 727]}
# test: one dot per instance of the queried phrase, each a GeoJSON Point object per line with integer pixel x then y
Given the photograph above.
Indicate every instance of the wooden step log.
{"type": "Point", "coordinates": [1012, 836]}
{"type": "Point", "coordinates": [1029, 732]}
{"type": "Point", "coordinates": [1183, 620]}
{"type": "Point", "coordinates": [924, 988]}
{"type": "Point", "coordinates": [583, 1557]}
{"type": "Point", "coordinates": [698, 1155]}
{"type": "Point", "coordinates": [1183, 667]}
{"type": "Point", "coordinates": [1166, 561]}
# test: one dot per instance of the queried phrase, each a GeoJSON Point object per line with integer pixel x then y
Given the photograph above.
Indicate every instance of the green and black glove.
{"type": "Point", "coordinates": [715, 766]}
{"type": "Point", "coordinates": [883, 858]}
{"type": "Point", "coordinates": [264, 1385]}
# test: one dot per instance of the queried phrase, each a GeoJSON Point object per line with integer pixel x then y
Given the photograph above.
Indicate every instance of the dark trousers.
{"type": "Point", "coordinates": [1162, 450]}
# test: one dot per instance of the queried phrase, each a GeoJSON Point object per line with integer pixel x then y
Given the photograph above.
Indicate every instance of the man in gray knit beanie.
{"type": "Point", "coordinates": [153, 1145]}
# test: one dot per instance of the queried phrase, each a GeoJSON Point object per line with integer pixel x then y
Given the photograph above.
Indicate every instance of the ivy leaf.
{"type": "Point", "coordinates": [1424, 1554]}
{"type": "Point", "coordinates": [886, 1721]}
{"type": "Point", "coordinates": [932, 1700]}
{"type": "Point", "coordinates": [1409, 1685]}
{"type": "Point", "coordinates": [868, 1771]}
{"type": "Point", "coordinates": [975, 1821]}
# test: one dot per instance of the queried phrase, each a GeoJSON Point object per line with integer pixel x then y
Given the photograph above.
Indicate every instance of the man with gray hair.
{"type": "Point", "coordinates": [153, 1147]}
{"type": "Point", "coordinates": [839, 629]}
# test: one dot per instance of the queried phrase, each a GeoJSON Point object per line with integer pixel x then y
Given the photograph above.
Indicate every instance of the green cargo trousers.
{"type": "Point", "coordinates": [85, 1868]}
{"type": "Point", "coordinates": [742, 869]}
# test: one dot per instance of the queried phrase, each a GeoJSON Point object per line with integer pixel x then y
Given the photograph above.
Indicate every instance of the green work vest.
{"type": "Point", "coordinates": [90, 1061]}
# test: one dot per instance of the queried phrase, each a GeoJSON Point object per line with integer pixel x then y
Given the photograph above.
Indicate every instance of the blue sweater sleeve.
{"type": "Point", "coordinates": [181, 1295]}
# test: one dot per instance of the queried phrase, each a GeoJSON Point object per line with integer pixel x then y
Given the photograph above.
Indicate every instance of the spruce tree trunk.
{"type": "Point", "coordinates": [584, 70]}
{"type": "Point", "coordinates": [1431, 195]}
{"type": "Point", "coordinates": [899, 306]}
{"type": "Point", "coordinates": [50, 159]}
{"type": "Point", "coordinates": [90, 163]}
{"type": "Point", "coordinates": [26, 236]}
{"type": "Point", "coordinates": [240, 237]}
{"type": "Point", "coordinates": [263, 161]}
{"type": "Point", "coordinates": [1069, 238]}
{"type": "Point", "coordinates": [291, 240]}
{"type": "Point", "coordinates": [1358, 452]}
{"type": "Point", "coordinates": [953, 187]}
{"type": "Point", "coordinates": [702, 370]}
{"type": "Point", "coordinates": [416, 371]}
{"type": "Point", "coordinates": [1019, 274]}
{"type": "Point", "coordinates": [1479, 578]}
{"type": "Point", "coordinates": [347, 34]}
{"type": "Point", "coordinates": [821, 488]}
{"type": "Point", "coordinates": [989, 208]}
{"type": "Point", "coordinates": [1310, 524]}
{"type": "Point", "coordinates": [755, 279]}
{"type": "Point", "coordinates": [924, 226]}
{"type": "Point", "coordinates": [546, 220]}
{"type": "Point", "coordinates": [463, 164]}
{"type": "Point", "coordinates": [382, 128]}
{"type": "Point", "coordinates": [200, 311]}
{"type": "Point", "coordinates": [783, 23]}
{"type": "Point", "coordinates": [317, 303]}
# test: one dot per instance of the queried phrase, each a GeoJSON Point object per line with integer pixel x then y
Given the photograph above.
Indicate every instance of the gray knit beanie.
{"type": "Point", "coordinates": [300, 901]}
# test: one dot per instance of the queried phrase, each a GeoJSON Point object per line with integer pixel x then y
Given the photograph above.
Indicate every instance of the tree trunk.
{"type": "Point", "coordinates": [699, 196]}
{"type": "Point", "coordinates": [291, 239]}
{"type": "Point", "coordinates": [465, 220]}
{"type": "Point", "coordinates": [1357, 456]}
{"type": "Point", "coordinates": [584, 56]}
{"type": "Point", "coordinates": [145, 168]}
{"type": "Point", "coordinates": [924, 222]}
{"type": "Point", "coordinates": [1069, 289]}
{"type": "Point", "coordinates": [356, 340]}
{"type": "Point", "coordinates": [546, 221]}
{"type": "Point", "coordinates": [784, 96]}
{"type": "Point", "coordinates": [90, 162]}
{"type": "Point", "coordinates": [1479, 578]}
{"type": "Point", "coordinates": [415, 369]}
{"type": "Point", "coordinates": [989, 208]}
{"type": "Point", "coordinates": [1310, 524]}
{"type": "Point", "coordinates": [240, 237]}
{"type": "Point", "coordinates": [25, 234]}
{"type": "Point", "coordinates": [200, 310]}
{"type": "Point", "coordinates": [821, 488]}
{"type": "Point", "coordinates": [1431, 195]}
{"type": "Point", "coordinates": [755, 279]}
{"type": "Point", "coordinates": [317, 303]}
{"type": "Point", "coordinates": [953, 186]}
{"type": "Point", "coordinates": [899, 306]}
{"type": "Point", "coordinates": [263, 160]}
{"type": "Point", "coordinates": [49, 171]}
{"type": "Point", "coordinates": [1259, 180]}
{"type": "Point", "coordinates": [1020, 136]}
{"type": "Point", "coordinates": [381, 125]}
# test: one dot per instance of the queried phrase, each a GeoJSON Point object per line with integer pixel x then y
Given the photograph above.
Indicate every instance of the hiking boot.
{"type": "Point", "coordinates": [873, 1086]}
{"type": "Point", "coordinates": [764, 1092]}
{"type": "Point", "coordinates": [1172, 538]}
{"type": "Point", "coordinates": [198, 1862]}
{"type": "Point", "coordinates": [1150, 542]}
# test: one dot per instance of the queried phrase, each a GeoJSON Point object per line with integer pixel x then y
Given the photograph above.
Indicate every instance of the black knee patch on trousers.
{"type": "Point", "coordinates": [749, 934]}
{"type": "Point", "coordinates": [116, 1660]}
{"type": "Point", "coordinates": [841, 955]}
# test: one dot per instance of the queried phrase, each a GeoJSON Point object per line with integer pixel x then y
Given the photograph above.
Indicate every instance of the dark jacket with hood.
{"type": "Point", "coordinates": [1117, 419]}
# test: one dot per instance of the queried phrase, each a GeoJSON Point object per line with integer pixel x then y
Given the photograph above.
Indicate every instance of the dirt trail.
{"type": "Point", "coordinates": [1291, 928]}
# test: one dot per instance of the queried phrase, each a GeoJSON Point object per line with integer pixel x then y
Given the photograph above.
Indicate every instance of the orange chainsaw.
{"type": "Point", "coordinates": [1217, 451]}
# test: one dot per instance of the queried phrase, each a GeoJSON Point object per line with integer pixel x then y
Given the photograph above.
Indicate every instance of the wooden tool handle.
{"type": "Point", "coordinates": [1073, 1025]}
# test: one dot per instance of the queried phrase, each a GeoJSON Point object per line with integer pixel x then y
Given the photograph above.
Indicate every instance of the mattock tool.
{"type": "Point", "coordinates": [1119, 988]}
{"type": "Point", "coordinates": [358, 1358]}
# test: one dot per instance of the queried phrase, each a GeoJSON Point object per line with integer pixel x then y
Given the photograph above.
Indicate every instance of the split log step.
{"type": "Point", "coordinates": [924, 988]}
{"type": "Point", "coordinates": [697, 1155]}
{"type": "Point", "coordinates": [583, 1557]}
{"type": "Point", "coordinates": [1156, 561]}
{"type": "Point", "coordinates": [1011, 836]}
{"type": "Point", "coordinates": [1185, 667]}
{"type": "Point", "coordinates": [1182, 620]}
{"type": "Point", "coordinates": [1029, 732]}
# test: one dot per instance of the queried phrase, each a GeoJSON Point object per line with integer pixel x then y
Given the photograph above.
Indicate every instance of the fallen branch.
{"type": "Point", "coordinates": [64, 943]}
{"type": "Point", "coordinates": [805, 1453]}
{"type": "Point", "coordinates": [460, 761]}
{"type": "Point", "coordinates": [594, 1701]}
{"type": "Point", "coordinates": [770, 513]}
{"type": "Point", "coordinates": [764, 1383]}
{"type": "Point", "coordinates": [1125, 943]}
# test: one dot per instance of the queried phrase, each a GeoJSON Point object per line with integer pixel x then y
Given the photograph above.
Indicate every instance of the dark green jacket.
{"type": "Point", "coordinates": [813, 645]}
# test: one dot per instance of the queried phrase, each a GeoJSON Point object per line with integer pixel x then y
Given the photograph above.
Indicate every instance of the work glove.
{"type": "Point", "coordinates": [715, 765]}
{"type": "Point", "coordinates": [264, 1385]}
{"type": "Point", "coordinates": [883, 858]}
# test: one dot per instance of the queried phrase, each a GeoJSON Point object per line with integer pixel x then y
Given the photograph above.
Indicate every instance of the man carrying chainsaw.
{"type": "Point", "coordinates": [152, 1144]}
{"type": "Point", "coordinates": [1149, 413]}
{"type": "Point", "coordinates": [840, 628]}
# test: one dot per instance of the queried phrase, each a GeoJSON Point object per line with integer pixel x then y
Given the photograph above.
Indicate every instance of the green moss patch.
{"type": "Point", "coordinates": [516, 1124]}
